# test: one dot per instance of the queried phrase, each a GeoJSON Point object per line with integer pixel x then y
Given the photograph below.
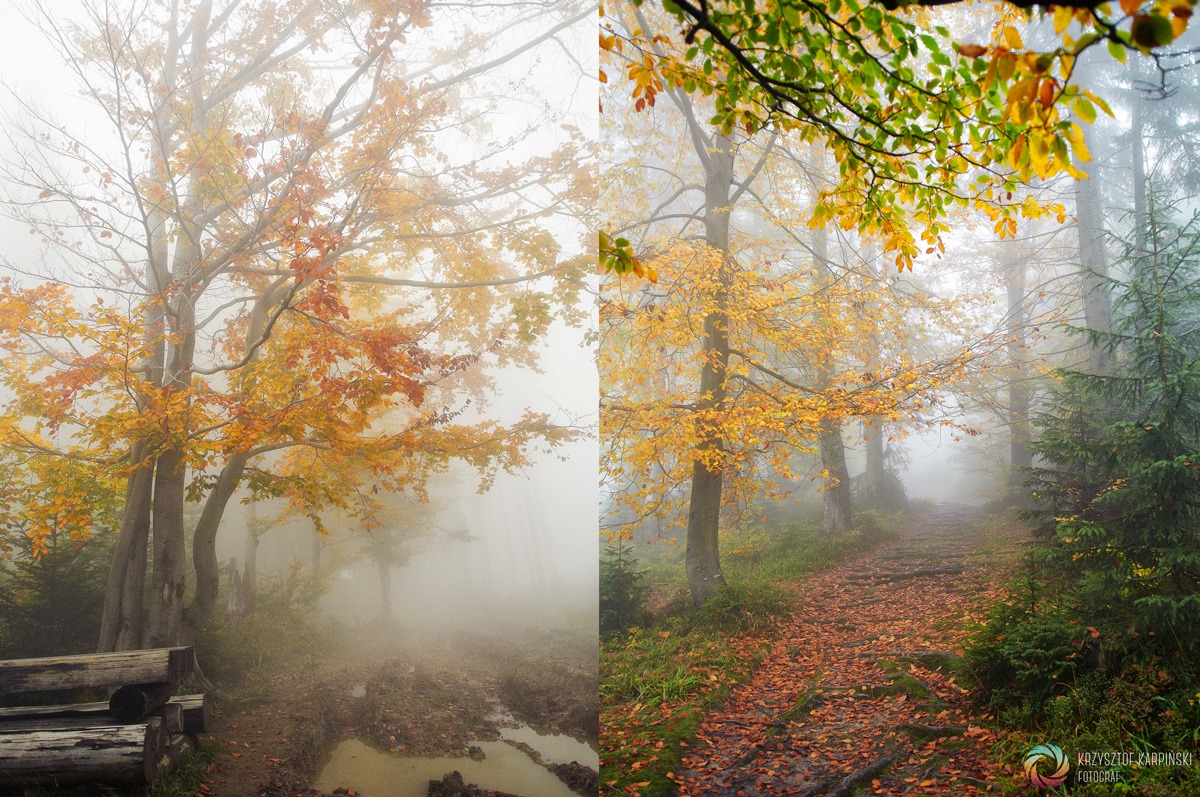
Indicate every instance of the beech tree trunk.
{"type": "Point", "coordinates": [121, 621]}
{"type": "Point", "coordinates": [704, 503]}
{"type": "Point", "coordinates": [836, 499]}
{"type": "Point", "coordinates": [875, 475]}
{"type": "Point", "coordinates": [1019, 394]}
{"type": "Point", "coordinates": [204, 549]}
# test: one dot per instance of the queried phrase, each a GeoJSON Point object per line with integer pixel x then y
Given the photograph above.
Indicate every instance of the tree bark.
{"type": "Point", "coordinates": [704, 504]}
{"type": "Point", "coordinates": [204, 549]}
{"type": "Point", "coordinates": [836, 499]}
{"type": "Point", "coordinates": [122, 618]}
{"type": "Point", "coordinates": [120, 754]}
{"type": "Point", "coordinates": [170, 551]}
{"type": "Point", "coordinates": [1019, 394]}
{"type": "Point", "coordinates": [1093, 258]}
{"type": "Point", "coordinates": [169, 665]}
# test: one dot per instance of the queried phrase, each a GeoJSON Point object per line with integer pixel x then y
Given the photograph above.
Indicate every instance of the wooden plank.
{"type": "Point", "coordinates": [161, 665]}
{"type": "Point", "coordinates": [196, 718]}
{"type": "Point", "coordinates": [113, 754]}
{"type": "Point", "coordinates": [90, 715]}
{"type": "Point", "coordinates": [170, 715]}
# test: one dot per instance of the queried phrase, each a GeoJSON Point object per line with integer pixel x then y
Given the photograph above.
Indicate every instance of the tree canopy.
{"type": "Point", "coordinates": [289, 268]}
{"type": "Point", "coordinates": [918, 121]}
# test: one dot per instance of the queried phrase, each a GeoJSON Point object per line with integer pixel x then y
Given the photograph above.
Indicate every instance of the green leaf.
{"type": "Point", "coordinates": [1084, 109]}
{"type": "Point", "coordinates": [1116, 51]}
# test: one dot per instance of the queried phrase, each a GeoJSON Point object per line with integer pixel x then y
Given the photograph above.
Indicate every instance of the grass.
{"type": "Point", "coordinates": [657, 680]}
{"type": "Point", "coordinates": [1117, 714]}
{"type": "Point", "coordinates": [187, 779]}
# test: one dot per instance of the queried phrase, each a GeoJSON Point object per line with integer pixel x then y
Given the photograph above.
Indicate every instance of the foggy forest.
{"type": "Point", "coordinates": [899, 412]}
{"type": "Point", "coordinates": [654, 398]}
{"type": "Point", "coordinates": [298, 430]}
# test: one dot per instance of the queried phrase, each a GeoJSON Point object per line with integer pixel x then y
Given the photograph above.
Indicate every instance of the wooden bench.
{"type": "Point", "coordinates": [137, 736]}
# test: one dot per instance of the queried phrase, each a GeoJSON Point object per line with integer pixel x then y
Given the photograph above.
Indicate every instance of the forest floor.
{"type": "Point", "coordinates": [410, 694]}
{"type": "Point", "coordinates": [862, 690]}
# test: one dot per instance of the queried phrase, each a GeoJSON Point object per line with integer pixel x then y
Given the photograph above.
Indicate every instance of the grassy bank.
{"type": "Point", "coordinates": [658, 677]}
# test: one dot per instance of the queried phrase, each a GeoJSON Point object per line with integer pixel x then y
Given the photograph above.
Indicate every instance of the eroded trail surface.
{"type": "Point", "coordinates": [861, 693]}
{"type": "Point", "coordinates": [411, 694]}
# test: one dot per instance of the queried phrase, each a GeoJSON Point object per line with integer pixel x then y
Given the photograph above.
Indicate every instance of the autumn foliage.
{"type": "Point", "coordinates": [276, 278]}
{"type": "Point", "coordinates": [782, 325]}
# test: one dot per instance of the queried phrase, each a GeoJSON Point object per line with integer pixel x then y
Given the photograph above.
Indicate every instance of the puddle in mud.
{"type": "Point", "coordinates": [555, 749]}
{"type": "Point", "coordinates": [371, 773]}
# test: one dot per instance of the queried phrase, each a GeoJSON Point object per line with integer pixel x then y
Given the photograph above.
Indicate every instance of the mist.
{"type": "Point", "coordinates": [299, 383]}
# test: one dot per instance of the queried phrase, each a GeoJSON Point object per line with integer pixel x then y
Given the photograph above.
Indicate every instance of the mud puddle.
{"type": "Point", "coordinates": [503, 767]}
{"type": "Point", "coordinates": [554, 748]}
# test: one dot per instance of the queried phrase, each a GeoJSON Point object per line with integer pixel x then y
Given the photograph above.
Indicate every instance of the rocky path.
{"type": "Point", "coordinates": [862, 693]}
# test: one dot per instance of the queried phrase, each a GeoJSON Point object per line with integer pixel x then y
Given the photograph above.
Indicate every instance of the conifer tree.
{"type": "Point", "coordinates": [1119, 471]}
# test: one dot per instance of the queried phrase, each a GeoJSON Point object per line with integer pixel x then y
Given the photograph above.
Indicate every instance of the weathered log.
{"type": "Point", "coordinates": [134, 702]}
{"type": "Point", "coordinates": [161, 665]}
{"type": "Point", "coordinates": [195, 712]}
{"type": "Point", "coordinates": [170, 715]}
{"type": "Point", "coordinates": [112, 754]}
{"type": "Point", "coordinates": [91, 715]}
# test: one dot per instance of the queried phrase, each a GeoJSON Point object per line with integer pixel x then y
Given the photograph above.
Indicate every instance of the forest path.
{"type": "Point", "coordinates": [858, 694]}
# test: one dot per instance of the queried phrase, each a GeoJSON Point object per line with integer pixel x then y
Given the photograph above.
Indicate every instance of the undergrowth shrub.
{"type": "Point", "coordinates": [284, 629]}
{"type": "Point", "coordinates": [622, 591]}
{"type": "Point", "coordinates": [1098, 646]}
{"type": "Point", "coordinates": [1026, 657]}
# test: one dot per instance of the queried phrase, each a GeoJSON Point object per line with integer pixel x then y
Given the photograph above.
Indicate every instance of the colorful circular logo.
{"type": "Point", "coordinates": [1056, 759]}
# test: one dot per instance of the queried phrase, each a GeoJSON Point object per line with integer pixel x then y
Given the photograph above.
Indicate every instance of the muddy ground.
{"type": "Point", "coordinates": [413, 693]}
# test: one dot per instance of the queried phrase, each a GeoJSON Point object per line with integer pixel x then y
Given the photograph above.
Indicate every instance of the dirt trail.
{"type": "Point", "coordinates": [859, 694]}
{"type": "Point", "coordinates": [410, 693]}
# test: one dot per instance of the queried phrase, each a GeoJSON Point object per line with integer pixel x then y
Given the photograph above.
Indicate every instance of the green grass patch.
{"type": "Point", "coordinates": [658, 679]}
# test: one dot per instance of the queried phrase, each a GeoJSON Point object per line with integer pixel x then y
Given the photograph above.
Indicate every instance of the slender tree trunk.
{"type": "Point", "coordinates": [876, 490]}
{"type": "Point", "coordinates": [1138, 146]}
{"type": "Point", "coordinates": [1019, 396]}
{"type": "Point", "coordinates": [704, 504]}
{"type": "Point", "coordinates": [204, 549]}
{"type": "Point", "coordinates": [250, 569]}
{"type": "Point", "coordinates": [875, 475]}
{"type": "Point", "coordinates": [837, 502]}
{"type": "Point", "coordinates": [1093, 259]}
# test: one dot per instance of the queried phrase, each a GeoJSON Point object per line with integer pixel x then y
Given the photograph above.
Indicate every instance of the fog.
{"type": "Point", "coordinates": [297, 322]}
{"type": "Point", "coordinates": [510, 552]}
{"type": "Point", "coordinates": [520, 554]}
